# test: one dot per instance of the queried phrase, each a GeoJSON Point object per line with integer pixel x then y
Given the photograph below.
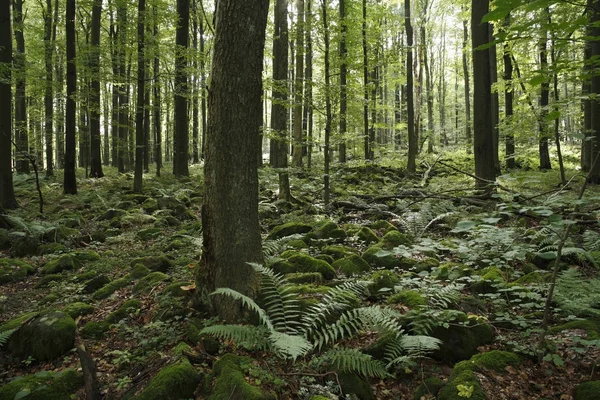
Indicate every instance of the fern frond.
{"type": "Point", "coordinates": [248, 302]}
{"type": "Point", "coordinates": [402, 351]}
{"type": "Point", "coordinates": [249, 336]}
{"type": "Point", "coordinates": [352, 360]}
{"type": "Point", "coordinates": [591, 240]}
{"type": "Point", "coordinates": [4, 336]}
{"type": "Point", "coordinates": [443, 297]}
{"type": "Point", "coordinates": [289, 346]}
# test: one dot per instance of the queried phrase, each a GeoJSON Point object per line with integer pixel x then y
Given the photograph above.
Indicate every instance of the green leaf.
{"type": "Point", "coordinates": [490, 220]}
{"type": "Point", "coordinates": [464, 226]}
{"type": "Point", "coordinates": [23, 393]}
{"type": "Point", "coordinates": [537, 80]}
{"type": "Point", "coordinates": [547, 255]}
{"type": "Point", "coordinates": [552, 115]}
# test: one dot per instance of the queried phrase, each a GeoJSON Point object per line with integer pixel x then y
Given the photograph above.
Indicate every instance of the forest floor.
{"type": "Point", "coordinates": [474, 273]}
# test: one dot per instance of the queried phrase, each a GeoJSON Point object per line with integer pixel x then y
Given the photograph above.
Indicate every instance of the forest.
{"type": "Point", "coordinates": [299, 199]}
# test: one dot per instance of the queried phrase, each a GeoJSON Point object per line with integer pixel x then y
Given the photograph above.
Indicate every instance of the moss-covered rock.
{"type": "Point", "coordinates": [174, 382]}
{"type": "Point", "coordinates": [44, 385]}
{"type": "Point", "coordinates": [592, 327]}
{"type": "Point", "coordinates": [96, 283]}
{"type": "Point", "coordinates": [377, 257]}
{"type": "Point", "coordinates": [177, 289]}
{"type": "Point", "coordinates": [409, 298]}
{"type": "Point", "coordinates": [150, 205]}
{"type": "Point", "coordinates": [394, 239]}
{"type": "Point", "coordinates": [290, 228]}
{"type": "Point", "coordinates": [383, 225]}
{"type": "Point", "coordinates": [154, 263]}
{"type": "Point", "coordinates": [67, 262]}
{"type": "Point", "coordinates": [383, 280]}
{"type": "Point", "coordinates": [352, 265]}
{"type": "Point", "coordinates": [110, 288]}
{"type": "Point", "coordinates": [463, 385]}
{"type": "Point", "coordinates": [111, 214]}
{"type": "Point", "coordinates": [129, 306]}
{"type": "Point", "coordinates": [25, 245]}
{"type": "Point", "coordinates": [95, 330]}
{"type": "Point", "coordinates": [52, 248]}
{"type": "Point", "coordinates": [12, 270]}
{"type": "Point", "coordinates": [78, 309]}
{"type": "Point", "coordinates": [461, 338]}
{"type": "Point", "coordinates": [149, 281]}
{"type": "Point", "coordinates": [139, 271]}
{"type": "Point", "coordinates": [494, 360]}
{"type": "Point", "coordinates": [86, 255]}
{"type": "Point", "coordinates": [17, 321]}
{"type": "Point", "coordinates": [430, 386]}
{"type": "Point", "coordinates": [353, 384]}
{"type": "Point", "coordinates": [491, 277]}
{"type": "Point", "coordinates": [337, 251]}
{"type": "Point", "coordinates": [230, 381]}
{"type": "Point", "coordinates": [532, 277]}
{"type": "Point", "coordinates": [149, 234]}
{"type": "Point", "coordinates": [305, 277]}
{"type": "Point", "coordinates": [193, 327]}
{"type": "Point", "coordinates": [47, 279]}
{"type": "Point", "coordinates": [45, 337]}
{"type": "Point", "coordinates": [327, 230]}
{"type": "Point", "coordinates": [301, 262]}
{"type": "Point", "coordinates": [428, 264]}
{"type": "Point", "coordinates": [367, 235]}
{"type": "Point", "coordinates": [297, 244]}
{"type": "Point", "coordinates": [587, 391]}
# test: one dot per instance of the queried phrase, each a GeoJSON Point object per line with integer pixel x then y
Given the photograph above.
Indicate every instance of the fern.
{"type": "Point", "coordinates": [591, 240]}
{"type": "Point", "coordinates": [415, 223]}
{"type": "Point", "coordinates": [402, 352]}
{"type": "Point", "coordinates": [4, 336]}
{"type": "Point", "coordinates": [577, 295]}
{"type": "Point", "coordinates": [248, 336]}
{"type": "Point", "coordinates": [271, 248]}
{"type": "Point", "coordinates": [352, 360]}
{"type": "Point", "coordinates": [248, 302]}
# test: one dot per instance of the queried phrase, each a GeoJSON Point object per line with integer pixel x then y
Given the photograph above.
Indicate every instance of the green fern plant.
{"type": "Point", "coordinates": [578, 295]}
{"type": "Point", "coordinates": [415, 223]}
{"type": "Point", "coordinates": [4, 336]}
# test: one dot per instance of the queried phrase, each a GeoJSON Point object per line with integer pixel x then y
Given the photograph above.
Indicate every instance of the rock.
{"type": "Point", "coordinates": [461, 338]}
{"type": "Point", "coordinates": [78, 309]}
{"type": "Point", "coordinates": [591, 326]}
{"type": "Point", "coordinates": [95, 330]}
{"type": "Point", "coordinates": [377, 257]}
{"type": "Point", "coordinates": [47, 279]}
{"type": "Point", "coordinates": [86, 255]}
{"type": "Point", "coordinates": [44, 385]}
{"type": "Point", "coordinates": [5, 241]}
{"type": "Point", "coordinates": [64, 263]}
{"type": "Point", "coordinates": [110, 288]}
{"type": "Point", "coordinates": [430, 386]}
{"type": "Point", "coordinates": [383, 225]}
{"type": "Point", "coordinates": [154, 263]}
{"type": "Point", "coordinates": [149, 234]}
{"type": "Point", "coordinates": [491, 277]}
{"type": "Point", "coordinates": [139, 271]}
{"type": "Point", "coordinates": [129, 306]}
{"type": "Point", "coordinates": [383, 280]}
{"type": "Point", "coordinates": [52, 248]}
{"type": "Point", "coordinates": [173, 382]}
{"type": "Point", "coordinates": [338, 252]}
{"type": "Point", "coordinates": [150, 205]}
{"type": "Point", "coordinates": [230, 381]}
{"type": "Point", "coordinates": [111, 214]}
{"type": "Point", "coordinates": [25, 245]}
{"type": "Point", "coordinates": [454, 389]}
{"type": "Point", "coordinates": [47, 336]}
{"type": "Point", "coordinates": [12, 270]}
{"type": "Point", "coordinates": [305, 277]}
{"type": "Point", "coordinates": [352, 265]}
{"type": "Point", "coordinates": [291, 228]}
{"type": "Point", "coordinates": [353, 384]}
{"type": "Point", "coordinates": [297, 244]}
{"type": "Point", "coordinates": [394, 239]}
{"type": "Point", "coordinates": [175, 289]}
{"type": "Point", "coordinates": [367, 235]}
{"type": "Point", "coordinates": [409, 298]}
{"type": "Point", "coordinates": [150, 280]}
{"type": "Point", "coordinates": [305, 263]}
{"type": "Point", "coordinates": [587, 391]}
{"type": "Point", "coordinates": [192, 332]}
{"type": "Point", "coordinates": [327, 230]}
{"type": "Point", "coordinates": [96, 283]}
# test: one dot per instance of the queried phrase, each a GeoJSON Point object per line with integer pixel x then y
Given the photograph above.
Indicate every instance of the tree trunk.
{"type": "Point", "coordinates": [367, 144]}
{"type": "Point", "coordinates": [231, 231]}
{"type": "Point", "coordinates": [156, 100]}
{"type": "Point", "coordinates": [482, 97]}
{"type": "Point", "coordinates": [343, 89]}
{"type": "Point", "coordinates": [465, 63]}
{"type": "Point", "coordinates": [298, 87]}
{"type": "Point", "coordinates": [544, 101]}
{"type": "Point", "coordinates": [595, 91]}
{"type": "Point", "coordinates": [411, 166]}
{"type": "Point", "coordinates": [106, 142]}
{"type": "Point", "coordinates": [141, 100]}
{"type": "Point", "coordinates": [195, 86]}
{"type": "Point", "coordinates": [20, 65]}
{"type": "Point", "coordinates": [48, 88]}
{"type": "Point", "coordinates": [202, 86]}
{"type": "Point", "coordinates": [308, 97]}
{"type": "Point", "coordinates": [123, 87]}
{"type": "Point", "coordinates": [94, 109]}
{"type": "Point", "coordinates": [508, 104]}
{"type": "Point", "coordinates": [70, 182]}
{"type": "Point", "coordinates": [586, 145]}
{"type": "Point", "coordinates": [181, 133]}
{"type": "Point", "coordinates": [495, 101]}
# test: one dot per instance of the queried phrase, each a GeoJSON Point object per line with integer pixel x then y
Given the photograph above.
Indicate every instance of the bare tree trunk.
{"type": "Point", "coordinates": [94, 109]}
{"type": "Point", "coordinates": [326, 189]}
{"type": "Point", "coordinates": [343, 72]}
{"type": "Point", "coordinates": [544, 101]}
{"type": "Point", "coordinates": [157, 102]}
{"type": "Point", "coordinates": [141, 92]}
{"type": "Point", "coordinates": [465, 63]}
{"type": "Point", "coordinates": [508, 104]}
{"type": "Point", "coordinates": [181, 134]}
{"type": "Point", "coordinates": [413, 146]}
{"type": "Point", "coordinates": [20, 64]}
{"type": "Point", "coordinates": [298, 87]}
{"type": "Point", "coordinates": [367, 143]}
{"type": "Point", "coordinates": [70, 182]}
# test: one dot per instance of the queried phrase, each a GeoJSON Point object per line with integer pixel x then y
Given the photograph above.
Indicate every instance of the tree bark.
{"type": "Point", "coordinates": [544, 101]}
{"type": "Point", "coordinates": [508, 104]}
{"type": "Point", "coordinates": [48, 89]}
{"type": "Point", "coordinates": [343, 79]}
{"type": "Point", "coordinates": [156, 100]}
{"type": "Point", "coordinates": [70, 182]}
{"type": "Point", "coordinates": [326, 188]}
{"type": "Point", "coordinates": [465, 63]}
{"type": "Point", "coordinates": [20, 65]}
{"type": "Point", "coordinates": [94, 109]}
{"type": "Point", "coordinates": [141, 100]}
{"type": "Point", "coordinates": [123, 88]}
{"type": "Point", "coordinates": [195, 87]}
{"type": "Point", "coordinates": [181, 131]}
{"type": "Point", "coordinates": [411, 166]}
{"type": "Point", "coordinates": [231, 231]}
{"type": "Point", "coordinates": [298, 87]}
{"type": "Point", "coordinates": [594, 176]}
{"type": "Point", "coordinates": [367, 143]}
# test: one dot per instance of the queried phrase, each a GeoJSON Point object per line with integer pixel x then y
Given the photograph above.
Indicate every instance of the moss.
{"type": "Point", "coordinates": [283, 267]}
{"type": "Point", "coordinates": [176, 244]}
{"type": "Point", "coordinates": [494, 360]}
{"type": "Point", "coordinates": [353, 384]}
{"type": "Point", "coordinates": [442, 273]}
{"type": "Point", "coordinates": [46, 280]}
{"type": "Point", "coordinates": [461, 338]}
{"type": "Point", "coordinates": [95, 330]}
{"type": "Point", "coordinates": [78, 309]}
{"type": "Point", "coordinates": [150, 280]}
{"type": "Point", "coordinates": [383, 280]}
{"type": "Point", "coordinates": [50, 298]}
{"type": "Point", "coordinates": [192, 333]}
{"type": "Point", "coordinates": [96, 283]}
{"type": "Point", "coordinates": [592, 327]}
{"type": "Point", "coordinates": [18, 321]}
{"type": "Point", "coordinates": [175, 289]}
{"type": "Point", "coordinates": [52, 248]}
{"type": "Point", "coordinates": [532, 277]}
{"type": "Point", "coordinates": [230, 381]}
{"type": "Point", "coordinates": [427, 264]}
{"type": "Point", "coordinates": [85, 276]}
{"type": "Point", "coordinates": [587, 391]}
{"type": "Point", "coordinates": [126, 308]}
{"type": "Point", "coordinates": [325, 257]}
{"type": "Point", "coordinates": [177, 381]}
{"type": "Point", "coordinates": [305, 263]}
{"type": "Point", "coordinates": [379, 258]}
{"type": "Point", "coordinates": [64, 263]}
{"type": "Point", "coordinates": [409, 298]}
{"type": "Point", "coordinates": [406, 263]}
{"type": "Point", "coordinates": [150, 205]}
{"type": "Point", "coordinates": [338, 252]}
{"type": "Point", "coordinates": [47, 336]}
{"type": "Point", "coordinates": [110, 288]}
{"type": "Point", "coordinates": [305, 277]}
{"type": "Point", "coordinates": [181, 349]}
{"type": "Point", "coordinates": [367, 235]}
{"type": "Point", "coordinates": [430, 386]}
{"type": "Point", "coordinates": [327, 230]}
{"type": "Point", "coordinates": [466, 380]}
{"type": "Point", "coordinates": [352, 265]}
{"type": "Point", "coordinates": [290, 228]}
{"type": "Point", "coordinates": [382, 225]}
{"type": "Point", "coordinates": [25, 245]}
{"type": "Point", "coordinates": [297, 244]}
{"type": "Point", "coordinates": [309, 289]}
{"type": "Point", "coordinates": [44, 385]}
{"type": "Point", "coordinates": [394, 239]}
{"type": "Point", "coordinates": [154, 263]}
{"type": "Point", "coordinates": [139, 271]}
{"type": "Point", "coordinates": [148, 234]}
{"type": "Point", "coordinates": [490, 278]}
{"type": "Point", "coordinates": [86, 255]}
{"type": "Point", "coordinates": [13, 270]}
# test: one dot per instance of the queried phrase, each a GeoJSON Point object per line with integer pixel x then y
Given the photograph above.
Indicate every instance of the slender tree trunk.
{"type": "Point", "coordinates": [20, 64]}
{"type": "Point", "coordinates": [587, 145]}
{"type": "Point", "coordinates": [495, 102]}
{"type": "Point", "coordinates": [140, 106]}
{"type": "Point", "coordinates": [308, 87]}
{"type": "Point", "coordinates": [429, 94]}
{"type": "Point", "coordinates": [94, 109]}
{"type": "Point", "coordinates": [544, 101]}
{"type": "Point", "coordinates": [410, 102]}
{"type": "Point", "coordinates": [106, 142]}
{"type": "Point", "coordinates": [181, 134]}
{"type": "Point", "coordinates": [595, 92]}
{"type": "Point", "coordinates": [230, 212]}
{"type": "Point", "coordinates": [343, 72]}
{"type": "Point", "coordinates": [328, 117]}
{"type": "Point", "coordinates": [70, 182]}
{"type": "Point", "coordinates": [123, 87]}
{"type": "Point", "coordinates": [195, 86]}
{"type": "Point", "coordinates": [367, 144]}
{"type": "Point", "coordinates": [442, 88]}
{"type": "Point", "coordinates": [202, 85]}
{"type": "Point", "coordinates": [156, 100]}
{"type": "Point", "coordinates": [508, 105]}
{"type": "Point", "coordinates": [60, 107]}
{"type": "Point", "coordinates": [465, 64]}
{"type": "Point", "coordinates": [48, 89]}
{"type": "Point", "coordinates": [482, 97]}
{"type": "Point", "coordinates": [298, 87]}
{"type": "Point", "coordinates": [561, 165]}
